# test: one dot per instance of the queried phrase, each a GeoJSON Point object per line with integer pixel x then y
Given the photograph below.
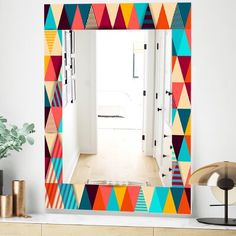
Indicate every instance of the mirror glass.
{"type": "Point", "coordinates": [117, 107]}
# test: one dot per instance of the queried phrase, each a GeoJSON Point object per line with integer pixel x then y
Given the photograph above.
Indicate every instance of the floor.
{"type": "Point", "coordinates": [119, 161]}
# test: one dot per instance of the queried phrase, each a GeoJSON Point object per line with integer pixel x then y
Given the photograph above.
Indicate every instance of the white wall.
{"type": "Point", "coordinates": [213, 88]}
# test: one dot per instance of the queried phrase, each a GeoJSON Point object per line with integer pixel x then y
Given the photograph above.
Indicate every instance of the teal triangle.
{"type": "Point", "coordinates": [46, 100]}
{"type": "Point", "coordinates": [70, 12]}
{"type": "Point", "coordinates": [180, 42]}
{"type": "Point", "coordinates": [141, 203]}
{"type": "Point", "coordinates": [84, 11]}
{"type": "Point", "coordinates": [50, 22]}
{"type": "Point", "coordinates": [184, 117]}
{"type": "Point", "coordinates": [159, 199]}
{"type": "Point", "coordinates": [85, 202]}
{"type": "Point", "coordinates": [184, 9]}
{"type": "Point", "coordinates": [177, 21]}
{"type": "Point", "coordinates": [184, 153]}
{"type": "Point", "coordinates": [173, 115]}
{"type": "Point", "coordinates": [173, 49]}
{"type": "Point", "coordinates": [60, 35]}
{"type": "Point", "coordinates": [60, 127]}
{"type": "Point", "coordinates": [177, 195]}
{"type": "Point", "coordinates": [112, 203]}
{"type": "Point", "coordinates": [141, 11]}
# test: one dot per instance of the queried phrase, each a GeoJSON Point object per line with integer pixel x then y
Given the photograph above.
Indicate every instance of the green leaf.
{"type": "Point", "coordinates": [30, 140]}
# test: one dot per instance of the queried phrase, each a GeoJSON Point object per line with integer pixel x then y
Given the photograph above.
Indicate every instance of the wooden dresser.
{"type": "Point", "coordinates": [97, 225]}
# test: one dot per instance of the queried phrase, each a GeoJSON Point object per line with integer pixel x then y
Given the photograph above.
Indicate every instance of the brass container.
{"type": "Point", "coordinates": [18, 191]}
{"type": "Point", "coordinates": [6, 206]}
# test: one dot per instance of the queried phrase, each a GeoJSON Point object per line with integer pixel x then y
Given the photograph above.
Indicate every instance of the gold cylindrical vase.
{"type": "Point", "coordinates": [18, 191]}
{"type": "Point", "coordinates": [6, 206]}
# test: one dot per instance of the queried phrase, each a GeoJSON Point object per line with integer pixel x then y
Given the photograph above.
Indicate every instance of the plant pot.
{"type": "Point", "coordinates": [1, 181]}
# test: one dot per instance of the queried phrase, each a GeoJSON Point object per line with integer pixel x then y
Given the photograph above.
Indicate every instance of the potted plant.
{"type": "Point", "coordinates": [12, 138]}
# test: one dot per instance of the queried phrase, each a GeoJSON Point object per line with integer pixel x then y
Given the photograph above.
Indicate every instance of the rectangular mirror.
{"type": "Point", "coordinates": [118, 107]}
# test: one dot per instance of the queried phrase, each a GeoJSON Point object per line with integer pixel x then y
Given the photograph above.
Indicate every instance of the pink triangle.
{"type": "Point", "coordinates": [98, 10]}
{"type": "Point", "coordinates": [77, 22]}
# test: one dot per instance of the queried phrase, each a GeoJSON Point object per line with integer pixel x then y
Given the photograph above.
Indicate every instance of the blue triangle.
{"type": "Point", "coordinates": [85, 202]}
{"type": "Point", "coordinates": [60, 35]}
{"type": "Point", "coordinates": [159, 199]}
{"type": "Point", "coordinates": [177, 22]}
{"type": "Point", "coordinates": [180, 42]}
{"type": "Point", "coordinates": [173, 114]}
{"type": "Point", "coordinates": [184, 9]}
{"type": "Point", "coordinates": [60, 127]}
{"type": "Point", "coordinates": [141, 11]}
{"type": "Point", "coordinates": [50, 22]}
{"type": "Point", "coordinates": [112, 203]}
{"type": "Point", "coordinates": [177, 195]}
{"type": "Point", "coordinates": [184, 117]}
{"type": "Point", "coordinates": [84, 11]}
{"type": "Point", "coordinates": [46, 100]}
{"type": "Point", "coordinates": [70, 12]}
{"type": "Point", "coordinates": [184, 153]}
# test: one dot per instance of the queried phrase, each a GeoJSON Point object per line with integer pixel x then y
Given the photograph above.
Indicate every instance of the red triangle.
{"type": "Point", "coordinates": [119, 22]}
{"type": "Point", "coordinates": [105, 21]}
{"type": "Point", "coordinates": [127, 203]}
{"type": "Point", "coordinates": [134, 193]}
{"type": "Point", "coordinates": [57, 149]}
{"type": "Point", "coordinates": [77, 22]}
{"type": "Point", "coordinates": [177, 90]}
{"type": "Point", "coordinates": [162, 21]}
{"type": "Point", "coordinates": [98, 10]}
{"type": "Point", "coordinates": [188, 141]}
{"type": "Point", "coordinates": [188, 22]}
{"type": "Point", "coordinates": [98, 203]}
{"type": "Point", "coordinates": [188, 34]}
{"type": "Point", "coordinates": [133, 22]}
{"type": "Point", "coordinates": [57, 114]}
{"type": "Point", "coordinates": [188, 88]}
{"type": "Point", "coordinates": [50, 73]}
{"type": "Point", "coordinates": [106, 192]}
{"type": "Point", "coordinates": [57, 62]}
{"type": "Point", "coordinates": [184, 206]}
{"type": "Point", "coordinates": [184, 64]}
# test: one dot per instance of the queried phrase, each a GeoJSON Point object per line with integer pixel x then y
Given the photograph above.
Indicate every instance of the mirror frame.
{"type": "Point", "coordinates": [114, 16]}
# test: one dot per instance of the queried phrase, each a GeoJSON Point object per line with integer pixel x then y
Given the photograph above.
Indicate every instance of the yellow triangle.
{"type": "Point", "coordinates": [112, 9]}
{"type": "Point", "coordinates": [169, 10]}
{"type": "Point", "coordinates": [188, 128]}
{"type": "Point", "coordinates": [46, 61]}
{"type": "Point", "coordinates": [184, 100]}
{"type": "Point", "coordinates": [57, 48]}
{"type": "Point", "coordinates": [177, 126]}
{"type": "Point", "coordinates": [184, 169]}
{"type": "Point", "coordinates": [78, 189]}
{"type": "Point", "coordinates": [177, 73]}
{"type": "Point", "coordinates": [148, 193]}
{"type": "Point", "coordinates": [50, 36]}
{"type": "Point", "coordinates": [50, 139]}
{"type": "Point", "coordinates": [50, 88]}
{"type": "Point", "coordinates": [57, 9]}
{"type": "Point", "coordinates": [126, 9]}
{"type": "Point", "coordinates": [169, 205]}
{"type": "Point", "coordinates": [50, 125]}
{"type": "Point", "coordinates": [155, 9]}
{"type": "Point", "coordinates": [120, 193]}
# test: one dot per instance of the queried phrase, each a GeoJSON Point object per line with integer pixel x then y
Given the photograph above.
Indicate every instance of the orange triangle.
{"type": "Point", "coordinates": [133, 22]}
{"type": "Point", "coordinates": [50, 73]}
{"type": "Point", "coordinates": [188, 34]}
{"type": "Point", "coordinates": [162, 21]}
{"type": "Point", "coordinates": [188, 22]}
{"type": "Point", "coordinates": [188, 75]}
{"type": "Point", "coordinates": [51, 192]}
{"type": "Point", "coordinates": [184, 207]}
{"type": "Point", "coordinates": [173, 61]}
{"type": "Point", "coordinates": [57, 114]}
{"type": "Point", "coordinates": [98, 10]}
{"type": "Point", "coordinates": [127, 203]}
{"type": "Point", "coordinates": [188, 141]}
{"type": "Point", "coordinates": [98, 203]}
{"type": "Point", "coordinates": [77, 22]}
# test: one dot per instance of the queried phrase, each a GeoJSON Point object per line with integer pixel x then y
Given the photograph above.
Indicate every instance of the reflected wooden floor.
{"type": "Point", "coordinates": [119, 159]}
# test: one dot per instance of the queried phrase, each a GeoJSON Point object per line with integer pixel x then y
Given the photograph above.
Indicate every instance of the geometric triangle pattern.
{"type": "Point", "coordinates": [174, 16]}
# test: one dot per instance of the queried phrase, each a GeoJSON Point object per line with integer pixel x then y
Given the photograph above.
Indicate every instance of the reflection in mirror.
{"type": "Point", "coordinates": [117, 115]}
